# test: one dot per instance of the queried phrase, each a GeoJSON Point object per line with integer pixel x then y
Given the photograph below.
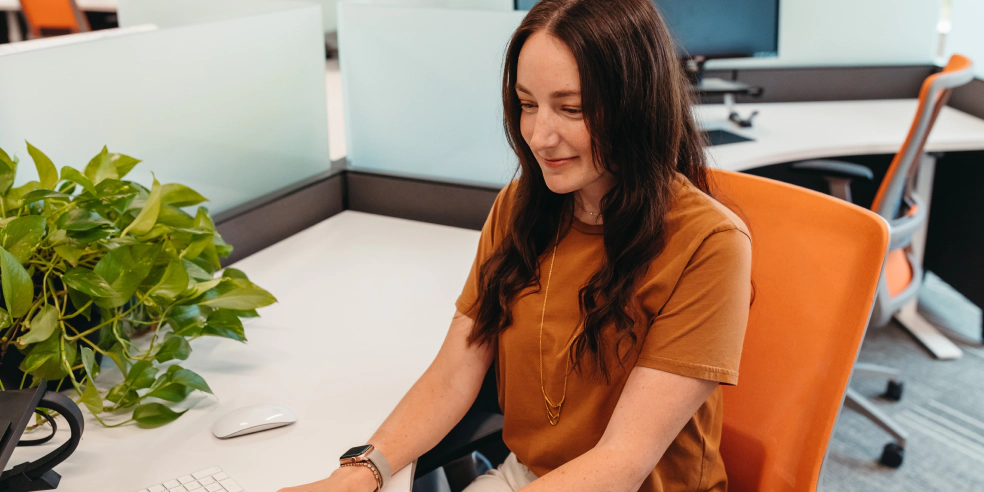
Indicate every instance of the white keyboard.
{"type": "Point", "coordinates": [209, 480]}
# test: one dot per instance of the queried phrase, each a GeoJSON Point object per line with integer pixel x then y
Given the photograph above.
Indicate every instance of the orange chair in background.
{"type": "Point", "coordinates": [816, 262]}
{"type": "Point", "coordinates": [899, 203]}
{"type": "Point", "coordinates": [53, 17]}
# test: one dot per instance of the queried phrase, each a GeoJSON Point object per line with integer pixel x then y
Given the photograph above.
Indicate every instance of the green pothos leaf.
{"type": "Point", "coordinates": [154, 414]}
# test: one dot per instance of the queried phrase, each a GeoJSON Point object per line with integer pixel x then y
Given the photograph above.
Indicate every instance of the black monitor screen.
{"type": "Point", "coordinates": [718, 28]}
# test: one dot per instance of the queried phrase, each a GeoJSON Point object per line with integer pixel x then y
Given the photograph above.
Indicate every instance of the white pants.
{"type": "Point", "coordinates": [510, 476]}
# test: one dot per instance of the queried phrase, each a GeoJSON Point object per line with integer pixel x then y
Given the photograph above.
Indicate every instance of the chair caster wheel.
{"type": "Point", "coordinates": [892, 455]}
{"type": "Point", "coordinates": [894, 390]}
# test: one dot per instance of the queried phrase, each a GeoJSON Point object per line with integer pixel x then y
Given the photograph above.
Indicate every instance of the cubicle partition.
{"type": "Point", "coordinates": [422, 91]}
{"type": "Point", "coordinates": [851, 33]}
{"type": "Point", "coordinates": [227, 97]}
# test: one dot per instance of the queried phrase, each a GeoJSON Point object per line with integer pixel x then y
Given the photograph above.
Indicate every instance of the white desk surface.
{"type": "Point", "coordinates": [89, 5]}
{"type": "Point", "coordinates": [365, 302]}
{"type": "Point", "coordinates": [787, 132]}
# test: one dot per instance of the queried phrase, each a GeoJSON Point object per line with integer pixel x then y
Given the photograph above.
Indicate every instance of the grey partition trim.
{"type": "Point", "coordinates": [337, 168]}
{"type": "Point", "coordinates": [969, 98]}
{"type": "Point", "coordinates": [447, 203]}
{"type": "Point", "coordinates": [269, 219]}
{"type": "Point", "coordinates": [828, 83]}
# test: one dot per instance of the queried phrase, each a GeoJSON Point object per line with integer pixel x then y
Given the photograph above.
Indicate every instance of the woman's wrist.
{"type": "Point", "coordinates": [360, 477]}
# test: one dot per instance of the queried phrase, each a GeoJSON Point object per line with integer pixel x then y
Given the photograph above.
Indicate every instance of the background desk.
{"type": "Point", "coordinates": [789, 132]}
{"type": "Point", "coordinates": [365, 302]}
{"type": "Point", "coordinates": [13, 6]}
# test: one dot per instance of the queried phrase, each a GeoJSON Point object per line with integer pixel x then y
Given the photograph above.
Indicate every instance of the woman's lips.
{"type": "Point", "coordinates": [555, 163]}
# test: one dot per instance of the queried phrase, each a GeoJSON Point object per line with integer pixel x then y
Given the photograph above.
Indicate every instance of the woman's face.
{"type": "Point", "coordinates": [549, 90]}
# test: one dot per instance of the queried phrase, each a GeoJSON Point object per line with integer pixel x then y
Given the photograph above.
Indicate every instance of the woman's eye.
{"type": "Point", "coordinates": [527, 106]}
{"type": "Point", "coordinates": [572, 110]}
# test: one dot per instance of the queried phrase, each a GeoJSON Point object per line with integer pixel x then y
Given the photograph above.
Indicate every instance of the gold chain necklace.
{"type": "Point", "coordinates": [580, 205]}
{"type": "Point", "coordinates": [553, 409]}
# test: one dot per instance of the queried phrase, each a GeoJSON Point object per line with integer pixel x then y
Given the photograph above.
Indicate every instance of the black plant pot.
{"type": "Point", "coordinates": [11, 375]}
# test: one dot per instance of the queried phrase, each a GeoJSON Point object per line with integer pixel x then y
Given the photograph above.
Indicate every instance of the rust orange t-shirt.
{"type": "Point", "coordinates": [691, 311]}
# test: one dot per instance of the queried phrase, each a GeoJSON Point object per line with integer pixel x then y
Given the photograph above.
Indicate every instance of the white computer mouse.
{"type": "Point", "coordinates": [248, 420]}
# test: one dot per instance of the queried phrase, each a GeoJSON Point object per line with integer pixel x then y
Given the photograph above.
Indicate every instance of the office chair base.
{"type": "Point", "coordinates": [926, 334]}
{"type": "Point", "coordinates": [866, 369]}
{"type": "Point", "coordinates": [893, 451]}
{"type": "Point", "coordinates": [892, 455]}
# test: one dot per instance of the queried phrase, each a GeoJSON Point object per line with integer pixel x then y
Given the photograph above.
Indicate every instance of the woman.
{"type": "Point", "coordinates": [609, 288]}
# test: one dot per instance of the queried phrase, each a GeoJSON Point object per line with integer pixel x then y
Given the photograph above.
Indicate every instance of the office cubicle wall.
{"type": "Point", "coordinates": [234, 108]}
{"type": "Point", "coordinates": [174, 13]}
{"type": "Point", "coordinates": [849, 32]}
{"type": "Point", "coordinates": [967, 32]}
{"type": "Point", "coordinates": [500, 5]}
{"type": "Point", "coordinates": [329, 7]}
{"type": "Point", "coordinates": [422, 91]}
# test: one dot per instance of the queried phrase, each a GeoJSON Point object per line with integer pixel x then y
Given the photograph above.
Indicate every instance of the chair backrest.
{"type": "Point", "coordinates": [47, 17]}
{"type": "Point", "coordinates": [816, 261]}
{"type": "Point", "coordinates": [932, 97]}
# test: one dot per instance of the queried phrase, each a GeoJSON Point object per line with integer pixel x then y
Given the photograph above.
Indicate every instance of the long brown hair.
{"type": "Point", "coordinates": [636, 105]}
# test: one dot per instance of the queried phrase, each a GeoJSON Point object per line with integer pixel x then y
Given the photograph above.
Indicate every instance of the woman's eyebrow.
{"type": "Point", "coordinates": [555, 95]}
{"type": "Point", "coordinates": [563, 94]}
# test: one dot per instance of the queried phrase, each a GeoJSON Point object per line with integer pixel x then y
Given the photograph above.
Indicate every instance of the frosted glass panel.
{"type": "Point", "coordinates": [967, 32]}
{"type": "Point", "coordinates": [233, 108]}
{"type": "Point", "coordinates": [422, 90]}
{"type": "Point", "coordinates": [170, 13]}
{"type": "Point", "coordinates": [500, 5]}
{"type": "Point", "coordinates": [330, 7]}
{"type": "Point", "coordinates": [851, 32]}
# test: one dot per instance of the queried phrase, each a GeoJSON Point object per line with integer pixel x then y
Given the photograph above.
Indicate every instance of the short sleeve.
{"type": "Point", "coordinates": [700, 330]}
{"type": "Point", "coordinates": [492, 232]}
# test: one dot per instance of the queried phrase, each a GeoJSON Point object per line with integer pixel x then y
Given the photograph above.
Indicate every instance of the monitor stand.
{"type": "Point", "coordinates": [720, 87]}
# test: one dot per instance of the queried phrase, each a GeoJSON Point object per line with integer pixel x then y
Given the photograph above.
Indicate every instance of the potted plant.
{"type": "Point", "coordinates": [94, 266]}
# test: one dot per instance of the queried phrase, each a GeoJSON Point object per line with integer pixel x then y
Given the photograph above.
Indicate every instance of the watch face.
{"type": "Point", "coordinates": [356, 451]}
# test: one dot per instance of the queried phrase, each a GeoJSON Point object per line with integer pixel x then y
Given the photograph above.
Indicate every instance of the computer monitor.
{"type": "Point", "coordinates": [717, 28]}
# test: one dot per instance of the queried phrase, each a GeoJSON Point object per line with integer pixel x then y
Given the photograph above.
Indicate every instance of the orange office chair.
{"type": "Point", "coordinates": [805, 328]}
{"type": "Point", "coordinates": [804, 331]}
{"type": "Point", "coordinates": [53, 17]}
{"type": "Point", "coordinates": [899, 204]}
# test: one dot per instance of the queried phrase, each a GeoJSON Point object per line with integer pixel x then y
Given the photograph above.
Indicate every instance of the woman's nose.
{"type": "Point", "coordinates": [545, 133]}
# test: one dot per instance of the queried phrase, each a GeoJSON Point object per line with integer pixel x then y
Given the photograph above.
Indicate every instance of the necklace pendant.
{"type": "Point", "coordinates": [553, 412]}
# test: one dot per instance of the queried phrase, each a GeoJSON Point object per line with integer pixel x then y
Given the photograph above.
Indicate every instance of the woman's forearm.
{"type": "Point", "coordinates": [437, 401]}
{"type": "Point", "coordinates": [601, 468]}
{"type": "Point", "coordinates": [653, 408]}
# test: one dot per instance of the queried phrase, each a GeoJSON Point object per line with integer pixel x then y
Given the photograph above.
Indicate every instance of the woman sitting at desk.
{"type": "Point", "coordinates": [609, 288]}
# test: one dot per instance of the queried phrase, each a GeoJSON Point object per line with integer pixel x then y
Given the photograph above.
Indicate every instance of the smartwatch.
{"type": "Point", "coordinates": [370, 457]}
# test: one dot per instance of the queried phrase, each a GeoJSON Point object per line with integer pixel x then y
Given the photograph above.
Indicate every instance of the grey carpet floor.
{"type": "Point", "coordinates": [942, 408]}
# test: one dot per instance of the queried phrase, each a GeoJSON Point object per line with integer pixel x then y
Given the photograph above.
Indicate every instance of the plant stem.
{"type": "Point", "coordinates": [157, 329]}
{"type": "Point", "coordinates": [76, 313]}
{"type": "Point", "coordinates": [95, 347]}
{"type": "Point", "coordinates": [104, 323]}
{"type": "Point", "coordinates": [67, 365]}
{"type": "Point", "coordinates": [110, 426]}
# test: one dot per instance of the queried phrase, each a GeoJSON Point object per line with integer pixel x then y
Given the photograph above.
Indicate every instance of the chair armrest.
{"type": "Point", "coordinates": [475, 428]}
{"type": "Point", "coordinates": [837, 169]}
{"type": "Point", "coordinates": [902, 228]}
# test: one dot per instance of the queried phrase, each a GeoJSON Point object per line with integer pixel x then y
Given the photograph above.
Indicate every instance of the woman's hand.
{"type": "Point", "coordinates": [344, 479]}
